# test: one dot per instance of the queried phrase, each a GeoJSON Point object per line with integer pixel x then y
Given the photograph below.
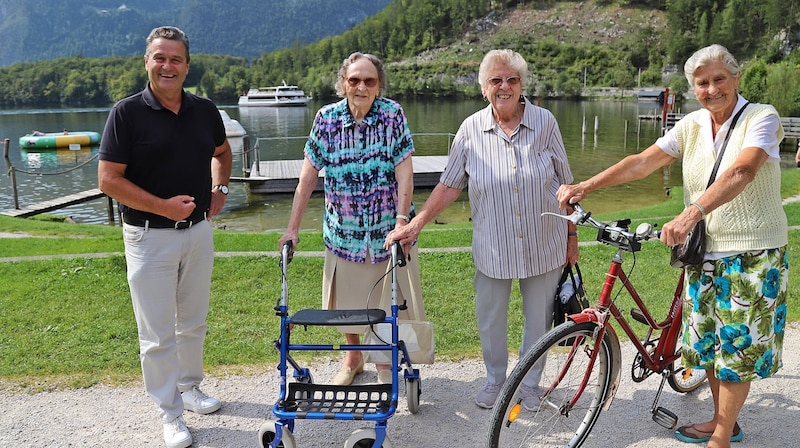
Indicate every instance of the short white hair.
{"type": "Point", "coordinates": [509, 58]}
{"type": "Point", "coordinates": [709, 55]}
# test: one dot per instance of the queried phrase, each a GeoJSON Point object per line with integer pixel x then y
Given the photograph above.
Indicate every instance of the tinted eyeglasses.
{"type": "Point", "coordinates": [368, 82]}
{"type": "Point", "coordinates": [511, 80]}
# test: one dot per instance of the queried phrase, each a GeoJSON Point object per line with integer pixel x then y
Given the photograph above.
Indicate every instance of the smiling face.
{"type": "Point", "coordinates": [167, 65]}
{"type": "Point", "coordinates": [503, 89]}
{"type": "Point", "coordinates": [361, 86]}
{"type": "Point", "coordinates": [716, 88]}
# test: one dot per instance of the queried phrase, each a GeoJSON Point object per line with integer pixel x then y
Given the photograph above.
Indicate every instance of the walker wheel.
{"type": "Point", "coordinates": [365, 438]}
{"type": "Point", "coordinates": [268, 433]}
{"type": "Point", "coordinates": [412, 394]}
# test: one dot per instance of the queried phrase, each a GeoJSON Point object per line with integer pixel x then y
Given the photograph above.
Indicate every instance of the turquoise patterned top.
{"type": "Point", "coordinates": [360, 185]}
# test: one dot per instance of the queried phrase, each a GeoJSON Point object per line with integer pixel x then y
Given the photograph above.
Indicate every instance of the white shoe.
{"type": "Point", "coordinates": [176, 434]}
{"type": "Point", "coordinates": [196, 401]}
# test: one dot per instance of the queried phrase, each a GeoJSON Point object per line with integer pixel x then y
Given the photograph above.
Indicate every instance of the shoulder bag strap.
{"type": "Point", "coordinates": [725, 145]}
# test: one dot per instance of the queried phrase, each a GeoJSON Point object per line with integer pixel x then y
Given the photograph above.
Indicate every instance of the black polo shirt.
{"type": "Point", "coordinates": [166, 154]}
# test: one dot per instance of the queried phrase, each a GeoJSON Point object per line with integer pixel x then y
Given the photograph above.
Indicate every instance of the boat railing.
{"type": "Point", "coordinates": [251, 157]}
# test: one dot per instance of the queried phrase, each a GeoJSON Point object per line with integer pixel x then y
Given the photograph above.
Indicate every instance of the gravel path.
{"type": "Point", "coordinates": [448, 417]}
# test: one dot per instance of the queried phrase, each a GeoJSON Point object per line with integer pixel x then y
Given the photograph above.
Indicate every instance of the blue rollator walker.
{"type": "Point", "coordinates": [303, 399]}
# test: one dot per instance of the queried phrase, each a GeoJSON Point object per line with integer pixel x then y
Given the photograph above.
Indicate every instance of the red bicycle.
{"type": "Point", "coordinates": [580, 360]}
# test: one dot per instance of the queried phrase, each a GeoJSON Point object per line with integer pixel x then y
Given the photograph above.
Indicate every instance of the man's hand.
{"type": "Point", "coordinates": [180, 207]}
{"type": "Point", "coordinates": [217, 202]}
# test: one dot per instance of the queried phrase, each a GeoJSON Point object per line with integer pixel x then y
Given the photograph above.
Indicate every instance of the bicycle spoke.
{"type": "Point", "coordinates": [564, 415]}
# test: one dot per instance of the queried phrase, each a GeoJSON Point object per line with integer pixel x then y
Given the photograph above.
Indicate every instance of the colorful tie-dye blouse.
{"type": "Point", "coordinates": [360, 185]}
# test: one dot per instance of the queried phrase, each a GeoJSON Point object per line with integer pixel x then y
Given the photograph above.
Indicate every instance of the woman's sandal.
{"type": "Point", "coordinates": [690, 434]}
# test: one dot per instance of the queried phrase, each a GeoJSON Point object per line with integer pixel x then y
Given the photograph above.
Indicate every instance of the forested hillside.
{"type": "Point", "coordinates": [34, 30]}
{"type": "Point", "coordinates": [433, 48]}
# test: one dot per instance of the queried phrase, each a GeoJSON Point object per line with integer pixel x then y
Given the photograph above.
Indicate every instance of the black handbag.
{"type": "Point", "coordinates": [570, 295]}
{"type": "Point", "coordinates": [693, 250]}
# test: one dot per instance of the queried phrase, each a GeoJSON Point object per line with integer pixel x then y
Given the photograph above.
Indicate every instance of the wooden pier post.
{"type": "Point", "coordinates": [246, 162]}
{"type": "Point", "coordinates": [11, 172]}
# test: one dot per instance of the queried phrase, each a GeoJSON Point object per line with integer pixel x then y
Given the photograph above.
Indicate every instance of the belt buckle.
{"type": "Point", "coordinates": [185, 224]}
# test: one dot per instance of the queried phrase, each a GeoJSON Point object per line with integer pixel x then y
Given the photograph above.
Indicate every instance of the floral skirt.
{"type": "Point", "coordinates": [735, 315]}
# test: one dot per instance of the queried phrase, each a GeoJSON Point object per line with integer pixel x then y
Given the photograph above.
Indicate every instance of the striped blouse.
{"type": "Point", "coordinates": [511, 181]}
{"type": "Point", "coordinates": [360, 184]}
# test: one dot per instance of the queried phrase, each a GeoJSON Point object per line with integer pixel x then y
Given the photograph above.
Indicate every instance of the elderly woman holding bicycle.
{"type": "Point", "coordinates": [735, 326]}
{"type": "Point", "coordinates": [511, 158]}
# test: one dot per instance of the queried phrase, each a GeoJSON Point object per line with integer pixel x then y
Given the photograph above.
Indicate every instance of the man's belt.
{"type": "Point", "coordinates": [159, 222]}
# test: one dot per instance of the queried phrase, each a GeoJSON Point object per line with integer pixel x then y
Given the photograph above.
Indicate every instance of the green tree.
{"type": "Point", "coordinates": [753, 84]}
{"type": "Point", "coordinates": [783, 89]}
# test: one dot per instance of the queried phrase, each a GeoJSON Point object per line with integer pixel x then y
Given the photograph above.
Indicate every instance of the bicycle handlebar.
{"type": "Point", "coordinates": [615, 233]}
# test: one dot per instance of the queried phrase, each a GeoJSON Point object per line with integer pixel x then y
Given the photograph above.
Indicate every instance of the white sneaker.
{"type": "Point", "coordinates": [196, 401]}
{"type": "Point", "coordinates": [176, 434]}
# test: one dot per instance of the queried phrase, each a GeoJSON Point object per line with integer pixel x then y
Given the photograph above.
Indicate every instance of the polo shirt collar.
{"type": "Point", "coordinates": [151, 100]}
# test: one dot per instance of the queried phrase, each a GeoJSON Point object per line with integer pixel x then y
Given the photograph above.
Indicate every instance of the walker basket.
{"type": "Point", "coordinates": [358, 400]}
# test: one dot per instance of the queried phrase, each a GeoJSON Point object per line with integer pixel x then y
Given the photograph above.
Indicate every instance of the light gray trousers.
{"type": "Point", "coordinates": [491, 301]}
{"type": "Point", "coordinates": [169, 274]}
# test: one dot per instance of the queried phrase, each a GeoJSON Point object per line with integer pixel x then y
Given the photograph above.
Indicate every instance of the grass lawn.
{"type": "Point", "coordinates": [68, 322]}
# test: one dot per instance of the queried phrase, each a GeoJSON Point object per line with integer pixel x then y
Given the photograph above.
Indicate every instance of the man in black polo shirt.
{"type": "Point", "coordinates": [165, 158]}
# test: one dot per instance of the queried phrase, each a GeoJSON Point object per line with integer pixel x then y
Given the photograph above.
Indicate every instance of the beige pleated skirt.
{"type": "Point", "coordinates": [347, 285]}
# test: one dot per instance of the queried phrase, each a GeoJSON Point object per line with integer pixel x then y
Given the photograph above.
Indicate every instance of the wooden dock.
{"type": "Point", "coordinates": [58, 203]}
{"type": "Point", "coordinates": [791, 128]}
{"type": "Point", "coordinates": [282, 176]}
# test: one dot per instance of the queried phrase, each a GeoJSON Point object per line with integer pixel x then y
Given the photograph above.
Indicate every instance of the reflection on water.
{"type": "Point", "coordinates": [618, 133]}
{"type": "Point", "coordinates": [55, 160]}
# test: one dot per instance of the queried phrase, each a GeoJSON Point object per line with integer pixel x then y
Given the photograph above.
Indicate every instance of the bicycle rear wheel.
{"type": "Point", "coordinates": [685, 379]}
{"type": "Point", "coordinates": [565, 352]}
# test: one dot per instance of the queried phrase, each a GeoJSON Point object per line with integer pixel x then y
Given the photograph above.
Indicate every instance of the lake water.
{"type": "Point", "coordinates": [47, 174]}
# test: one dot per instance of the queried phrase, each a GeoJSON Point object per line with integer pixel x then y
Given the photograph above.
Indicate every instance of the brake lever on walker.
{"type": "Point", "coordinates": [401, 259]}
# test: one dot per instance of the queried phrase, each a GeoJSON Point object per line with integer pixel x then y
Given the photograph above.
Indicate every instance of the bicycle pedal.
{"type": "Point", "coordinates": [665, 417]}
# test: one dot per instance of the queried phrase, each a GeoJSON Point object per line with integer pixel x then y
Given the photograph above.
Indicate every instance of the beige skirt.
{"type": "Point", "coordinates": [347, 285]}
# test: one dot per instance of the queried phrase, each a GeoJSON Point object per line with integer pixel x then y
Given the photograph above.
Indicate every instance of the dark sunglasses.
{"type": "Point", "coordinates": [369, 82]}
{"type": "Point", "coordinates": [511, 80]}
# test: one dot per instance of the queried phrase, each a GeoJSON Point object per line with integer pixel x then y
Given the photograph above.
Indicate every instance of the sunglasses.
{"type": "Point", "coordinates": [368, 82]}
{"type": "Point", "coordinates": [511, 80]}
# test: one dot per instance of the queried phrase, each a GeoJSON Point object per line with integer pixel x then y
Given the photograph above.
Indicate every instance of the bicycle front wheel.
{"type": "Point", "coordinates": [558, 414]}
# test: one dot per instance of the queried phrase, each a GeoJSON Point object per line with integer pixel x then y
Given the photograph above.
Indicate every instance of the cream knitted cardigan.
{"type": "Point", "coordinates": [754, 219]}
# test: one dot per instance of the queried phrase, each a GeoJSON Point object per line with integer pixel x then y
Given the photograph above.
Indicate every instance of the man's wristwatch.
{"type": "Point", "coordinates": [222, 188]}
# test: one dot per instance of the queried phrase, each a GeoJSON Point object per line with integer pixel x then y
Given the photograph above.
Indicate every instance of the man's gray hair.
{"type": "Point", "coordinates": [170, 33]}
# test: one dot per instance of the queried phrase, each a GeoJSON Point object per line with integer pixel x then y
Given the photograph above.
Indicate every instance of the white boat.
{"type": "Point", "coordinates": [276, 96]}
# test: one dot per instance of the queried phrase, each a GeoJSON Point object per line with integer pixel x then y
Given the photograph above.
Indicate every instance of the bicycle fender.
{"type": "Point", "coordinates": [616, 366]}
{"type": "Point", "coordinates": [589, 315]}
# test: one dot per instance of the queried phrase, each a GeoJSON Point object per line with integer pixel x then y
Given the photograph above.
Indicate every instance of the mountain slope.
{"type": "Point", "coordinates": [46, 29]}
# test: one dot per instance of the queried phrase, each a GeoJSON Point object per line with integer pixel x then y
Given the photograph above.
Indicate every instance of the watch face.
{"type": "Point", "coordinates": [223, 189]}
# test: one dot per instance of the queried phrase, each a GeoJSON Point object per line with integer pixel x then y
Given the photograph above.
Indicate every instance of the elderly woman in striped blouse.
{"type": "Point", "coordinates": [511, 158]}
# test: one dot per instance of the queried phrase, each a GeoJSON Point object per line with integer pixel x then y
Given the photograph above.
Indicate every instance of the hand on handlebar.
{"type": "Point", "coordinates": [406, 235]}
{"type": "Point", "coordinates": [676, 231]}
{"type": "Point", "coordinates": [289, 238]}
{"type": "Point", "coordinates": [570, 194]}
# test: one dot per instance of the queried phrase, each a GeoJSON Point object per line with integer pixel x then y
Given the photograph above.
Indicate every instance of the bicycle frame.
{"type": "Point", "coordinates": [664, 354]}
{"type": "Point", "coordinates": [578, 363]}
